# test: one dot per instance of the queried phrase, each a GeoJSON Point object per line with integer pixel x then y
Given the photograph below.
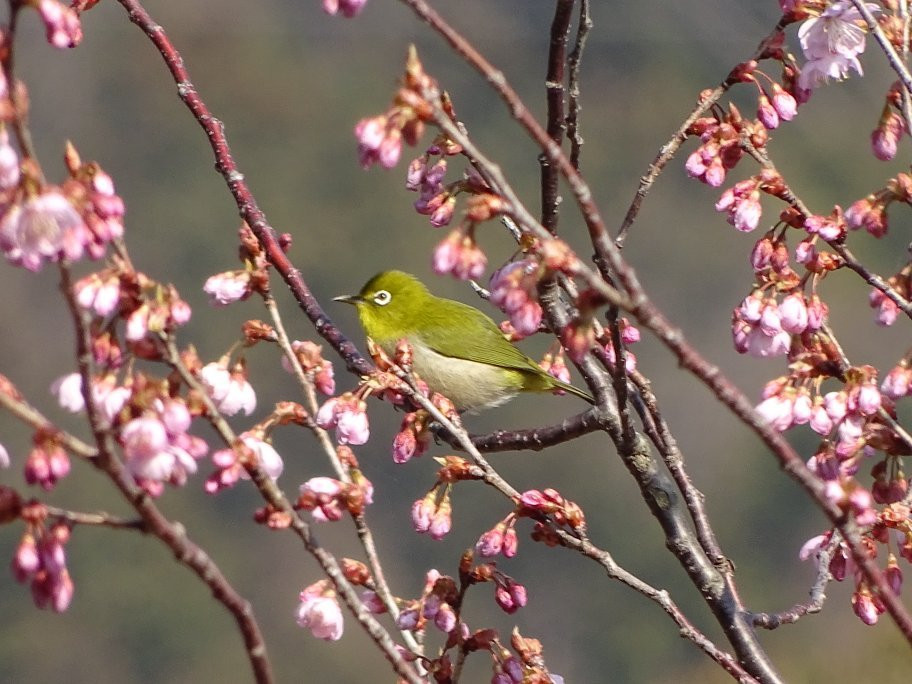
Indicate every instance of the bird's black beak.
{"type": "Point", "coordinates": [349, 299]}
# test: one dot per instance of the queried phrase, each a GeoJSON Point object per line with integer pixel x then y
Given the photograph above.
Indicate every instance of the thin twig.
{"type": "Point", "coordinates": [381, 586]}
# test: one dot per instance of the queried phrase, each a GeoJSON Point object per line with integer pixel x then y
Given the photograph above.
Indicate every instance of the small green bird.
{"type": "Point", "coordinates": [456, 349]}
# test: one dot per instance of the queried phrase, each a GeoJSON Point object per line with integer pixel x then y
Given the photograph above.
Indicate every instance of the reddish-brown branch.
{"type": "Point", "coordinates": [247, 206]}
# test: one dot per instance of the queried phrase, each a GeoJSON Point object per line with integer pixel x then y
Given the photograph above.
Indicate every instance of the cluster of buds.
{"type": "Point", "coordinates": [230, 463]}
{"type": "Point", "coordinates": [763, 327]}
{"type": "Point", "coordinates": [318, 369]}
{"type": "Point", "coordinates": [720, 148]}
{"type": "Point", "coordinates": [319, 611]}
{"type": "Point", "coordinates": [433, 514]}
{"type": "Point", "coordinates": [414, 436]}
{"type": "Point", "coordinates": [527, 666]}
{"type": "Point", "coordinates": [347, 413]}
{"type": "Point", "coordinates": [327, 498]}
{"type": "Point", "coordinates": [742, 200]}
{"type": "Point", "coordinates": [870, 212]}
{"type": "Point", "coordinates": [380, 137]}
{"type": "Point", "coordinates": [437, 603]}
{"type": "Point", "coordinates": [832, 227]}
{"type": "Point", "coordinates": [553, 364]}
{"type": "Point", "coordinates": [514, 289]}
{"type": "Point", "coordinates": [47, 462]}
{"type": "Point", "coordinates": [867, 604]}
{"type": "Point", "coordinates": [157, 446]}
{"type": "Point", "coordinates": [459, 255]}
{"type": "Point", "coordinates": [500, 539]}
{"type": "Point", "coordinates": [890, 128]}
{"type": "Point", "coordinates": [61, 23]}
{"type": "Point", "coordinates": [562, 512]}
{"type": "Point", "coordinates": [777, 104]}
{"type": "Point", "coordinates": [630, 334]}
{"type": "Point", "coordinates": [435, 200]}
{"type": "Point", "coordinates": [887, 309]}
{"type": "Point", "coordinates": [40, 560]}
{"type": "Point", "coordinates": [509, 594]}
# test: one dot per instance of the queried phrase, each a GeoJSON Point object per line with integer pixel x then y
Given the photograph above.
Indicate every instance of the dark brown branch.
{"type": "Point", "coordinates": [817, 593]}
{"type": "Point", "coordinates": [97, 519]}
{"type": "Point", "coordinates": [536, 439]}
{"type": "Point", "coordinates": [573, 84]}
{"type": "Point", "coordinates": [554, 98]}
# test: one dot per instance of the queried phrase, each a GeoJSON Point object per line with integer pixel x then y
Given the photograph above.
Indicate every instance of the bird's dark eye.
{"type": "Point", "coordinates": [382, 297]}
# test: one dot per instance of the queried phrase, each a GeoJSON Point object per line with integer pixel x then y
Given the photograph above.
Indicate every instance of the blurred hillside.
{"type": "Point", "coordinates": [290, 83]}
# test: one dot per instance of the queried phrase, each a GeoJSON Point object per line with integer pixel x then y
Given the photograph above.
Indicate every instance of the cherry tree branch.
{"type": "Point", "coordinates": [173, 535]}
{"type": "Point", "coordinates": [248, 208]}
{"type": "Point", "coordinates": [274, 496]}
{"type": "Point", "coordinates": [580, 542]}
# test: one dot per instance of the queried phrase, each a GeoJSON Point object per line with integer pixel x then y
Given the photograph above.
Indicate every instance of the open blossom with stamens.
{"type": "Point", "coordinates": [230, 390]}
{"type": "Point", "coordinates": [831, 43]}
{"type": "Point", "coordinates": [348, 415]}
{"type": "Point", "coordinates": [45, 227]}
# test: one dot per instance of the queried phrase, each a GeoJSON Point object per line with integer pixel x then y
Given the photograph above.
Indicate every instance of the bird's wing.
{"type": "Point", "coordinates": [486, 345]}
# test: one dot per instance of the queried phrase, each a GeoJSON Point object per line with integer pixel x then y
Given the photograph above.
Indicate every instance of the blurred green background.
{"type": "Point", "coordinates": [289, 84]}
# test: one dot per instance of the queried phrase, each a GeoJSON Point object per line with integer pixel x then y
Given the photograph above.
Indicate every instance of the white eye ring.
{"type": "Point", "coordinates": [382, 297]}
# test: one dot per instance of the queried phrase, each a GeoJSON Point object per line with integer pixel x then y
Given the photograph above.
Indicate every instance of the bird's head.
{"type": "Point", "coordinates": [389, 304]}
